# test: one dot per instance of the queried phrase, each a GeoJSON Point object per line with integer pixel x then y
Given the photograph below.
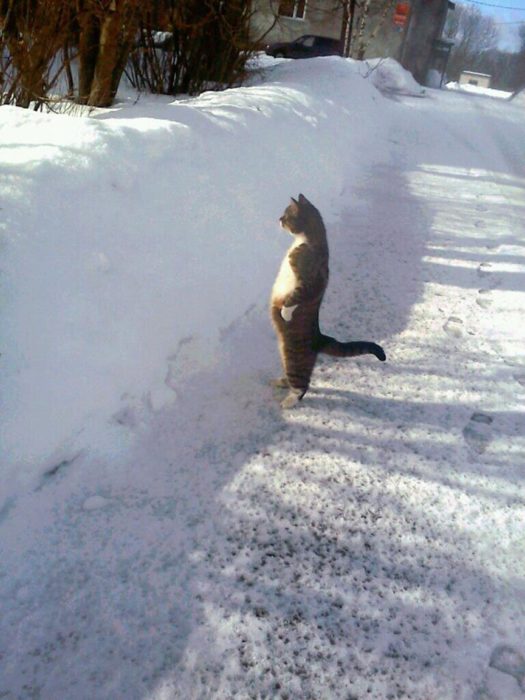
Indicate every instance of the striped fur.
{"type": "Point", "coordinates": [296, 299]}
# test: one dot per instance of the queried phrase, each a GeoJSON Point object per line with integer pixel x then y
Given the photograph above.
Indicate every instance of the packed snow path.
{"type": "Point", "coordinates": [368, 544]}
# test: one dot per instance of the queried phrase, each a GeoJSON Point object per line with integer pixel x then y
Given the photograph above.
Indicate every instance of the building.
{"type": "Point", "coordinates": [467, 77]}
{"type": "Point", "coordinates": [409, 30]}
{"type": "Point", "coordinates": [424, 51]}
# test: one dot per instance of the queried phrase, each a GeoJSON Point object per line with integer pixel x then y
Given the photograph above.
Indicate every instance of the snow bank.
{"type": "Point", "coordinates": [135, 231]}
{"type": "Point", "coordinates": [477, 90]}
{"type": "Point", "coordinates": [389, 76]}
{"type": "Point", "coordinates": [519, 98]}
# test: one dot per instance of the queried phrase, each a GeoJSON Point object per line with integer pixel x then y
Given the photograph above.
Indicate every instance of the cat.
{"type": "Point", "coordinates": [296, 298]}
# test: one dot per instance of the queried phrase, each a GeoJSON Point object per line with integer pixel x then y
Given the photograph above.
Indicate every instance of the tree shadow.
{"type": "Point", "coordinates": [356, 585]}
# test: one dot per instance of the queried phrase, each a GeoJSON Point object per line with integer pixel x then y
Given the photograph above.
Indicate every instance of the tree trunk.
{"type": "Point", "coordinates": [107, 59]}
{"type": "Point", "coordinates": [87, 53]}
{"type": "Point", "coordinates": [361, 35]}
{"type": "Point", "coordinates": [69, 72]}
{"type": "Point", "coordinates": [106, 36]}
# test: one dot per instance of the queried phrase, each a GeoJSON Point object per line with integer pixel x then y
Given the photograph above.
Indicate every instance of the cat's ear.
{"type": "Point", "coordinates": [302, 199]}
{"type": "Point", "coordinates": [294, 200]}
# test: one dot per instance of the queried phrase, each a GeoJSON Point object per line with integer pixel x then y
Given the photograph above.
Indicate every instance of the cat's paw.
{"type": "Point", "coordinates": [292, 399]}
{"type": "Point", "coordinates": [287, 312]}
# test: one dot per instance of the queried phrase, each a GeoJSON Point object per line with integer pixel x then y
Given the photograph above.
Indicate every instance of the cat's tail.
{"type": "Point", "coordinates": [331, 346]}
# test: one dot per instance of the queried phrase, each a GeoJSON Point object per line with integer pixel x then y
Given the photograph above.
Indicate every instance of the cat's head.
{"type": "Point", "coordinates": [297, 214]}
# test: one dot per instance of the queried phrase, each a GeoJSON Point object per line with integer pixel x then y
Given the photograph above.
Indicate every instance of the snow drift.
{"type": "Point", "coordinates": [131, 232]}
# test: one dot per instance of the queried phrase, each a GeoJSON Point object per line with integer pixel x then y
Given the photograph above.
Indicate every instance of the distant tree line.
{"type": "Point", "coordinates": [476, 49]}
{"type": "Point", "coordinates": [81, 48]}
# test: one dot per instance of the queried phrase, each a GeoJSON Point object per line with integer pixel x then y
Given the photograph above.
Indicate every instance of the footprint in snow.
{"type": "Point", "coordinates": [520, 378]}
{"type": "Point", "coordinates": [484, 300]}
{"type": "Point", "coordinates": [477, 432]}
{"type": "Point", "coordinates": [484, 269]}
{"type": "Point", "coordinates": [95, 503]}
{"type": "Point", "coordinates": [126, 416]}
{"type": "Point", "coordinates": [453, 327]}
{"type": "Point", "coordinates": [508, 660]}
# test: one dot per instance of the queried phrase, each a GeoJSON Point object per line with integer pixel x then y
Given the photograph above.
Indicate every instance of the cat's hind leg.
{"type": "Point", "coordinates": [299, 368]}
{"type": "Point", "coordinates": [282, 382]}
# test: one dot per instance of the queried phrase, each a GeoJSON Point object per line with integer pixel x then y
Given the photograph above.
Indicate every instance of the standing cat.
{"type": "Point", "coordinates": [296, 298]}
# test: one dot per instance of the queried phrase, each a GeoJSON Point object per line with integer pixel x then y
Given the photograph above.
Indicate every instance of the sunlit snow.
{"type": "Point", "coordinates": [166, 530]}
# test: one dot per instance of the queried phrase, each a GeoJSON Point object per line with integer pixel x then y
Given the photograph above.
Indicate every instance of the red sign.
{"type": "Point", "coordinates": [401, 13]}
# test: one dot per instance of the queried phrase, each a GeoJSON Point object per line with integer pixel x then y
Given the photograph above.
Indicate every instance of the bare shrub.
{"type": "Point", "coordinates": [88, 44]}
{"type": "Point", "coordinates": [32, 34]}
{"type": "Point", "coordinates": [204, 44]}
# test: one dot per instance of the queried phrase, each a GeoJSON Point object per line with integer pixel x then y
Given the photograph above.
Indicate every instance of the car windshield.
{"type": "Point", "coordinates": [305, 41]}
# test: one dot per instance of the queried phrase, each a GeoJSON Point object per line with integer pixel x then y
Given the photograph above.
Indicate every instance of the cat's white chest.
{"type": "Point", "coordinates": [286, 279]}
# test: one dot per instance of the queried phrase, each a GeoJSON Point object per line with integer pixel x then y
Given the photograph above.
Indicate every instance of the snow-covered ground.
{"type": "Point", "coordinates": [166, 531]}
{"type": "Point", "coordinates": [477, 90]}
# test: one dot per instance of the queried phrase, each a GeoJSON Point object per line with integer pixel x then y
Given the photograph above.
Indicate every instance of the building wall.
{"type": "Point", "coordinates": [479, 79]}
{"type": "Point", "coordinates": [382, 38]}
{"type": "Point", "coordinates": [323, 17]}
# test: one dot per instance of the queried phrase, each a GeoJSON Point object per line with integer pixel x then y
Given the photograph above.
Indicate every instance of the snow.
{"type": "Point", "coordinates": [166, 530]}
{"type": "Point", "coordinates": [113, 257]}
{"type": "Point", "coordinates": [478, 90]}
{"type": "Point", "coordinates": [519, 98]}
{"type": "Point", "coordinates": [389, 76]}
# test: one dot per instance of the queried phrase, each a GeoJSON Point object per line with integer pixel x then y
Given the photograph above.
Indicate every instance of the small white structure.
{"type": "Point", "coordinates": [479, 79]}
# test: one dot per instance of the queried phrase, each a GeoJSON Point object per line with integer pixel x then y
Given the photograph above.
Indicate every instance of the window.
{"type": "Point", "coordinates": [292, 8]}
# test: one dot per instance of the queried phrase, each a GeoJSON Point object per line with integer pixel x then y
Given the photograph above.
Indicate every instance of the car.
{"type": "Point", "coordinates": [306, 46]}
